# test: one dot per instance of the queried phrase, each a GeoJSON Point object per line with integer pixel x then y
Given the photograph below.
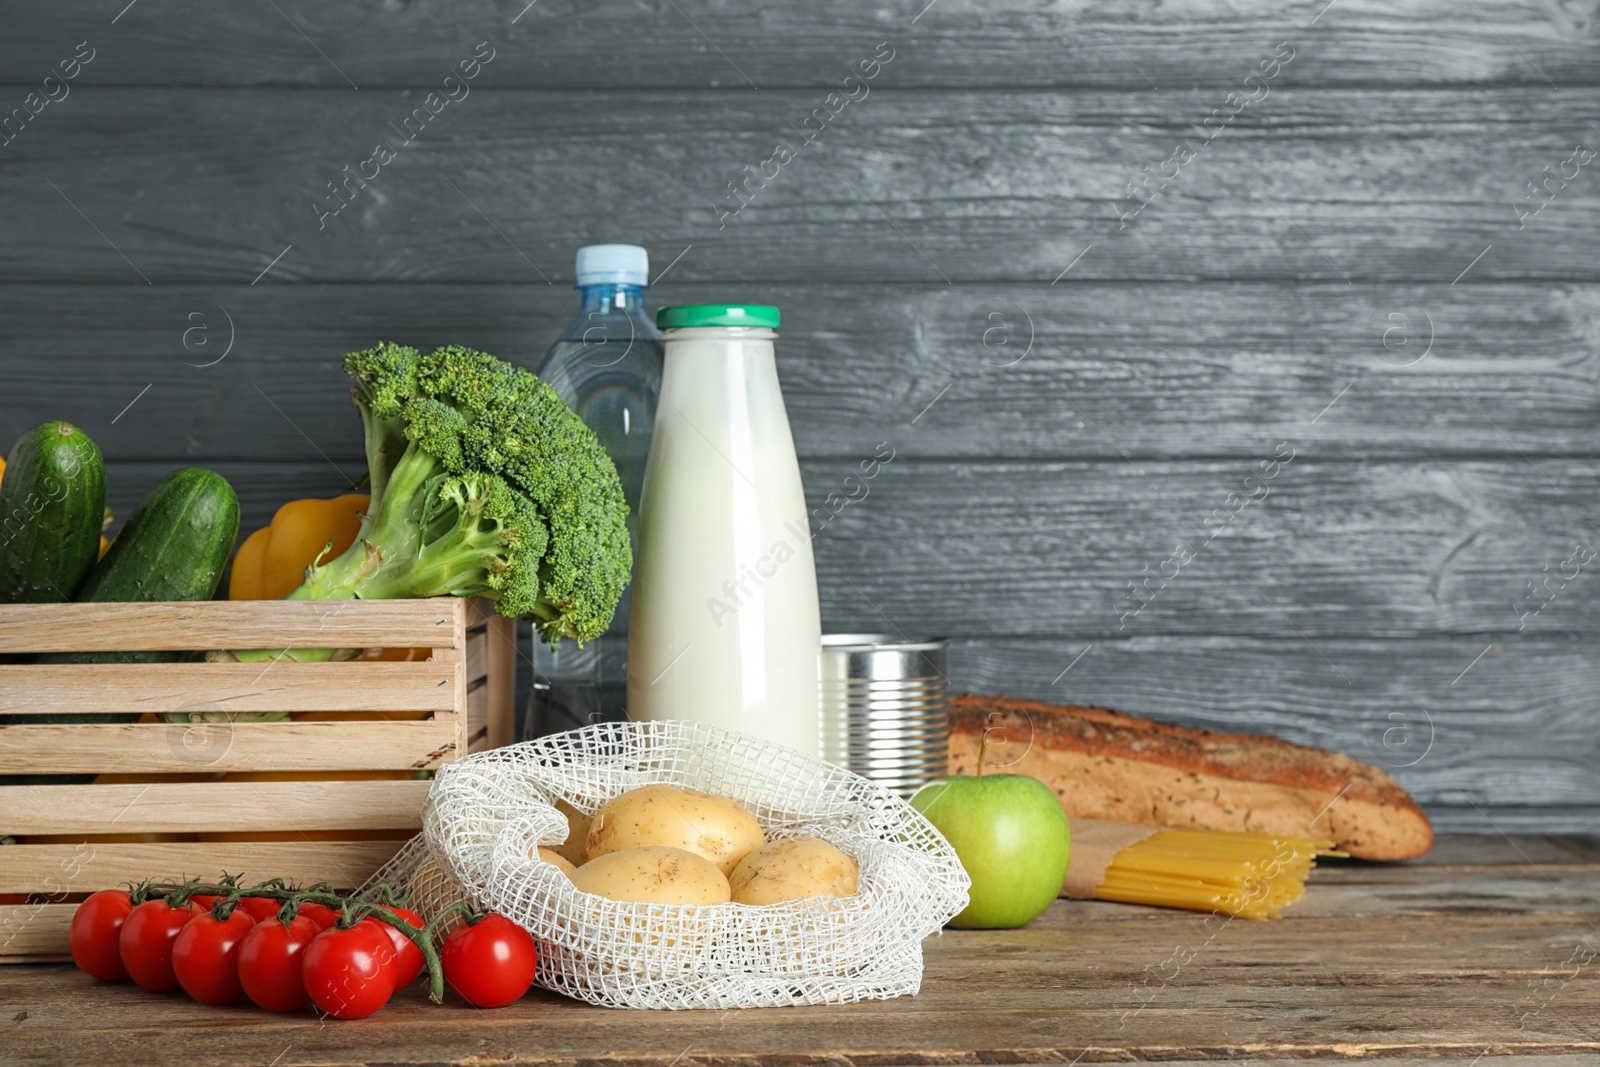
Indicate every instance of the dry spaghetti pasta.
{"type": "Point", "coordinates": [1251, 876]}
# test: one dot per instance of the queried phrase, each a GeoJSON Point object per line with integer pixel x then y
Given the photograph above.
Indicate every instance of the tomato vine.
{"type": "Point", "coordinates": [352, 909]}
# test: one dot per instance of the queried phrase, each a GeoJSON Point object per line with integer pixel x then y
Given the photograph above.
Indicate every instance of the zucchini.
{"type": "Point", "coordinates": [52, 505]}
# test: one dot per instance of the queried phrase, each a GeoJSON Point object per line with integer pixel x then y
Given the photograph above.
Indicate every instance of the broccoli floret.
{"type": "Point", "coordinates": [483, 483]}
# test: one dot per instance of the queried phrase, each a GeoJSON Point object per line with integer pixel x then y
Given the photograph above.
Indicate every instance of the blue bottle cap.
{"type": "Point", "coordinates": [613, 265]}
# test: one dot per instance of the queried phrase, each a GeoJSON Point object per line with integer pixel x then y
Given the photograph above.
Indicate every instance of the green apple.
{"type": "Point", "coordinates": [1010, 834]}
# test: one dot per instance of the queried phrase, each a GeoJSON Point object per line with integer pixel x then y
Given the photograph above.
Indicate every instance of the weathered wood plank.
{"type": "Point", "coordinates": [88, 867]}
{"type": "Point", "coordinates": [1510, 746]}
{"type": "Point", "coordinates": [134, 748]}
{"type": "Point", "coordinates": [1377, 893]}
{"type": "Point", "coordinates": [1329, 185]}
{"type": "Point", "coordinates": [1383, 549]}
{"type": "Point", "coordinates": [1164, 370]}
{"type": "Point", "coordinates": [500, 691]}
{"type": "Point", "coordinates": [170, 807]}
{"type": "Point", "coordinates": [1070, 986]}
{"type": "Point", "coordinates": [1479, 852]}
{"type": "Point", "coordinates": [241, 624]}
{"type": "Point", "coordinates": [226, 687]}
{"type": "Point", "coordinates": [1381, 892]}
{"type": "Point", "coordinates": [1331, 549]}
{"type": "Point", "coordinates": [34, 931]}
{"type": "Point", "coordinates": [477, 728]}
{"type": "Point", "coordinates": [477, 656]}
{"type": "Point", "coordinates": [960, 42]}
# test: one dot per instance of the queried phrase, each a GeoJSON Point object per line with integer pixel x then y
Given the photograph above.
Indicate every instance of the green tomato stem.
{"type": "Point", "coordinates": [352, 910]}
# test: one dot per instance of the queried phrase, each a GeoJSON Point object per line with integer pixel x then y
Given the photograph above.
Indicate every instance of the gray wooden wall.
{"type": "Point", "coordinates": [1343, 265]}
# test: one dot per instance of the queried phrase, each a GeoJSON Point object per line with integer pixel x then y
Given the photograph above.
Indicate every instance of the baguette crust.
{"type": "Point", "coordinates": [1108, 765]}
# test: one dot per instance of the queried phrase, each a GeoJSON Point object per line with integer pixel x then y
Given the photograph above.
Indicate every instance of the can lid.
{"type": "Point", "coordinates": [759, 316]}
{"type": "Point", "coordinates": [613, 265]}
{"type": "Point", "coordinates": [881, 643]}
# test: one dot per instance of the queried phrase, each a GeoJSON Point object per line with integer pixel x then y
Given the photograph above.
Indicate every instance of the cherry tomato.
{"type": "Point", "coordinates": [93, 937]}
{"type": "Point", "coordinates": [202, 903]}
{"type": "Point", "coordinates": [349, 973]}
{"type": "Point", "coordinates": [145, 943]}
{"type": "Point", "coordinates": [259, 908]}
{"type": "Point", "coordinates": [408, 959]}
{"type": "Point", "coordinates": [320, 914]}
{"type": "Point", "coordinates": [269, 963]}
{"type": "Point", "coordinates": [490, 963]}
{"type": "Point", "coordinates": [205, 956]}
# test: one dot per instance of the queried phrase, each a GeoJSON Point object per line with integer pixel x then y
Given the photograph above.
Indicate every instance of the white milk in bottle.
{"type": "Point", "coordinates": [725, 626]}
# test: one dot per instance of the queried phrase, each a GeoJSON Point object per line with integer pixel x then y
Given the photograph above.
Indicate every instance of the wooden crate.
{"type": "Point", "coordinates": [298, 799]}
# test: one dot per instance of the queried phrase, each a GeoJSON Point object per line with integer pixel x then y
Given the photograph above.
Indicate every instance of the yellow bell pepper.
{"type": "Point", "coordinates": [273, 560]}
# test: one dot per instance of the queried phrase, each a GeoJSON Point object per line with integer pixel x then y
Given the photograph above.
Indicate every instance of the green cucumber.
{"type": "Point", "coordinates": [52, 504]}
{"type": "Point", "coordinates": [174, 547]}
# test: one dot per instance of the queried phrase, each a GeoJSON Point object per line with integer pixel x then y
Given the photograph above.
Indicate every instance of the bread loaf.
{"type": "Point", "coordinates": [1108, 765]}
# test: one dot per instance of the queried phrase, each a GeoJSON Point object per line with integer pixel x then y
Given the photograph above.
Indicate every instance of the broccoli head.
{"type": "Point", "coordinates": [483, 483]}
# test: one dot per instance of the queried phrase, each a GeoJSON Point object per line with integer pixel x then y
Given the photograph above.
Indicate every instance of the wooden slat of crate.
{"type": "Point", "coordinates": [232, 624]}
{"type": "Point", "coordinates": [500, 666]}
{"type": "Point", "coordinates": [225, 687]}
{"type": "Point", "coordinates": [89, 866]}
{"type": "Point", "coordinates": [35, 933]}
{"type": "Point", "coordinates": [178, 807]}
{"type": "Point", "coordinates": [491, 655]}
{"type": "Point", "coordinates": [477, 653]}
{"type": "Point", "coordinates": [477, 717]}
{"type": "Point", "coordinates": [458, 715]}
{"type": "Point", "coordinates": [137, 748]}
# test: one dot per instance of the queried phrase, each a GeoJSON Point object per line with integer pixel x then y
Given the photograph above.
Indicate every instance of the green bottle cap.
{"type": "Point", "coordinates": [758, 316]}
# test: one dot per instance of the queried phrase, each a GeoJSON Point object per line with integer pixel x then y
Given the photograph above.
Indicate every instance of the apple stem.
{"type": "Point", "coordinates": [983, 750]}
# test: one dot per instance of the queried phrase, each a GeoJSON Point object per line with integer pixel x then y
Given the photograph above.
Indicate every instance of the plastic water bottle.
{"type": "Point", "coordinates": [607, 366]}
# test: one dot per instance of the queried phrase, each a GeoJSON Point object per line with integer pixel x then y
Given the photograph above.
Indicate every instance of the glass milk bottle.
{"type": "Point", "coordinates": [725, 626]}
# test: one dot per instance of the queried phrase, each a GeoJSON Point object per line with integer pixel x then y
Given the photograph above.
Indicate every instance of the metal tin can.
{"type": "Point", "coordinates": [886, 708]}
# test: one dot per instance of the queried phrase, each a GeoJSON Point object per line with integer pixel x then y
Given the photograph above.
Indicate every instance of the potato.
{"type": "Point", "coordinates": [577, 833]}
{"type": "Point", "coordinates": [793, 869]}
{"type": "Point", "coordinates": [550, 855]}
{"type": "Point", "coordinates": [716, 828]}
{"type": "Point", "coordinates": [653, 874]}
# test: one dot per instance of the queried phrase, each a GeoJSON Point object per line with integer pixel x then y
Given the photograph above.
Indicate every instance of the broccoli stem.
{"type": "Point", "coordinates": [377, 472]}
{"type": "Point", "coordinates": [389, 533]}
{"type": "Point", "coordinates": [401, 553]}
{"type": "Point", "coordinates": [384, 442]}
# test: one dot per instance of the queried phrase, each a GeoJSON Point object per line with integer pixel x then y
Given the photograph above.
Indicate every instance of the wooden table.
{"type": "Point", "coordinates": [1485, 948]}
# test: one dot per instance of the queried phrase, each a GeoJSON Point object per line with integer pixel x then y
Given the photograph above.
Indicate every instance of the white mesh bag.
{"type": "Point", "coordinates": [487, 814]}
